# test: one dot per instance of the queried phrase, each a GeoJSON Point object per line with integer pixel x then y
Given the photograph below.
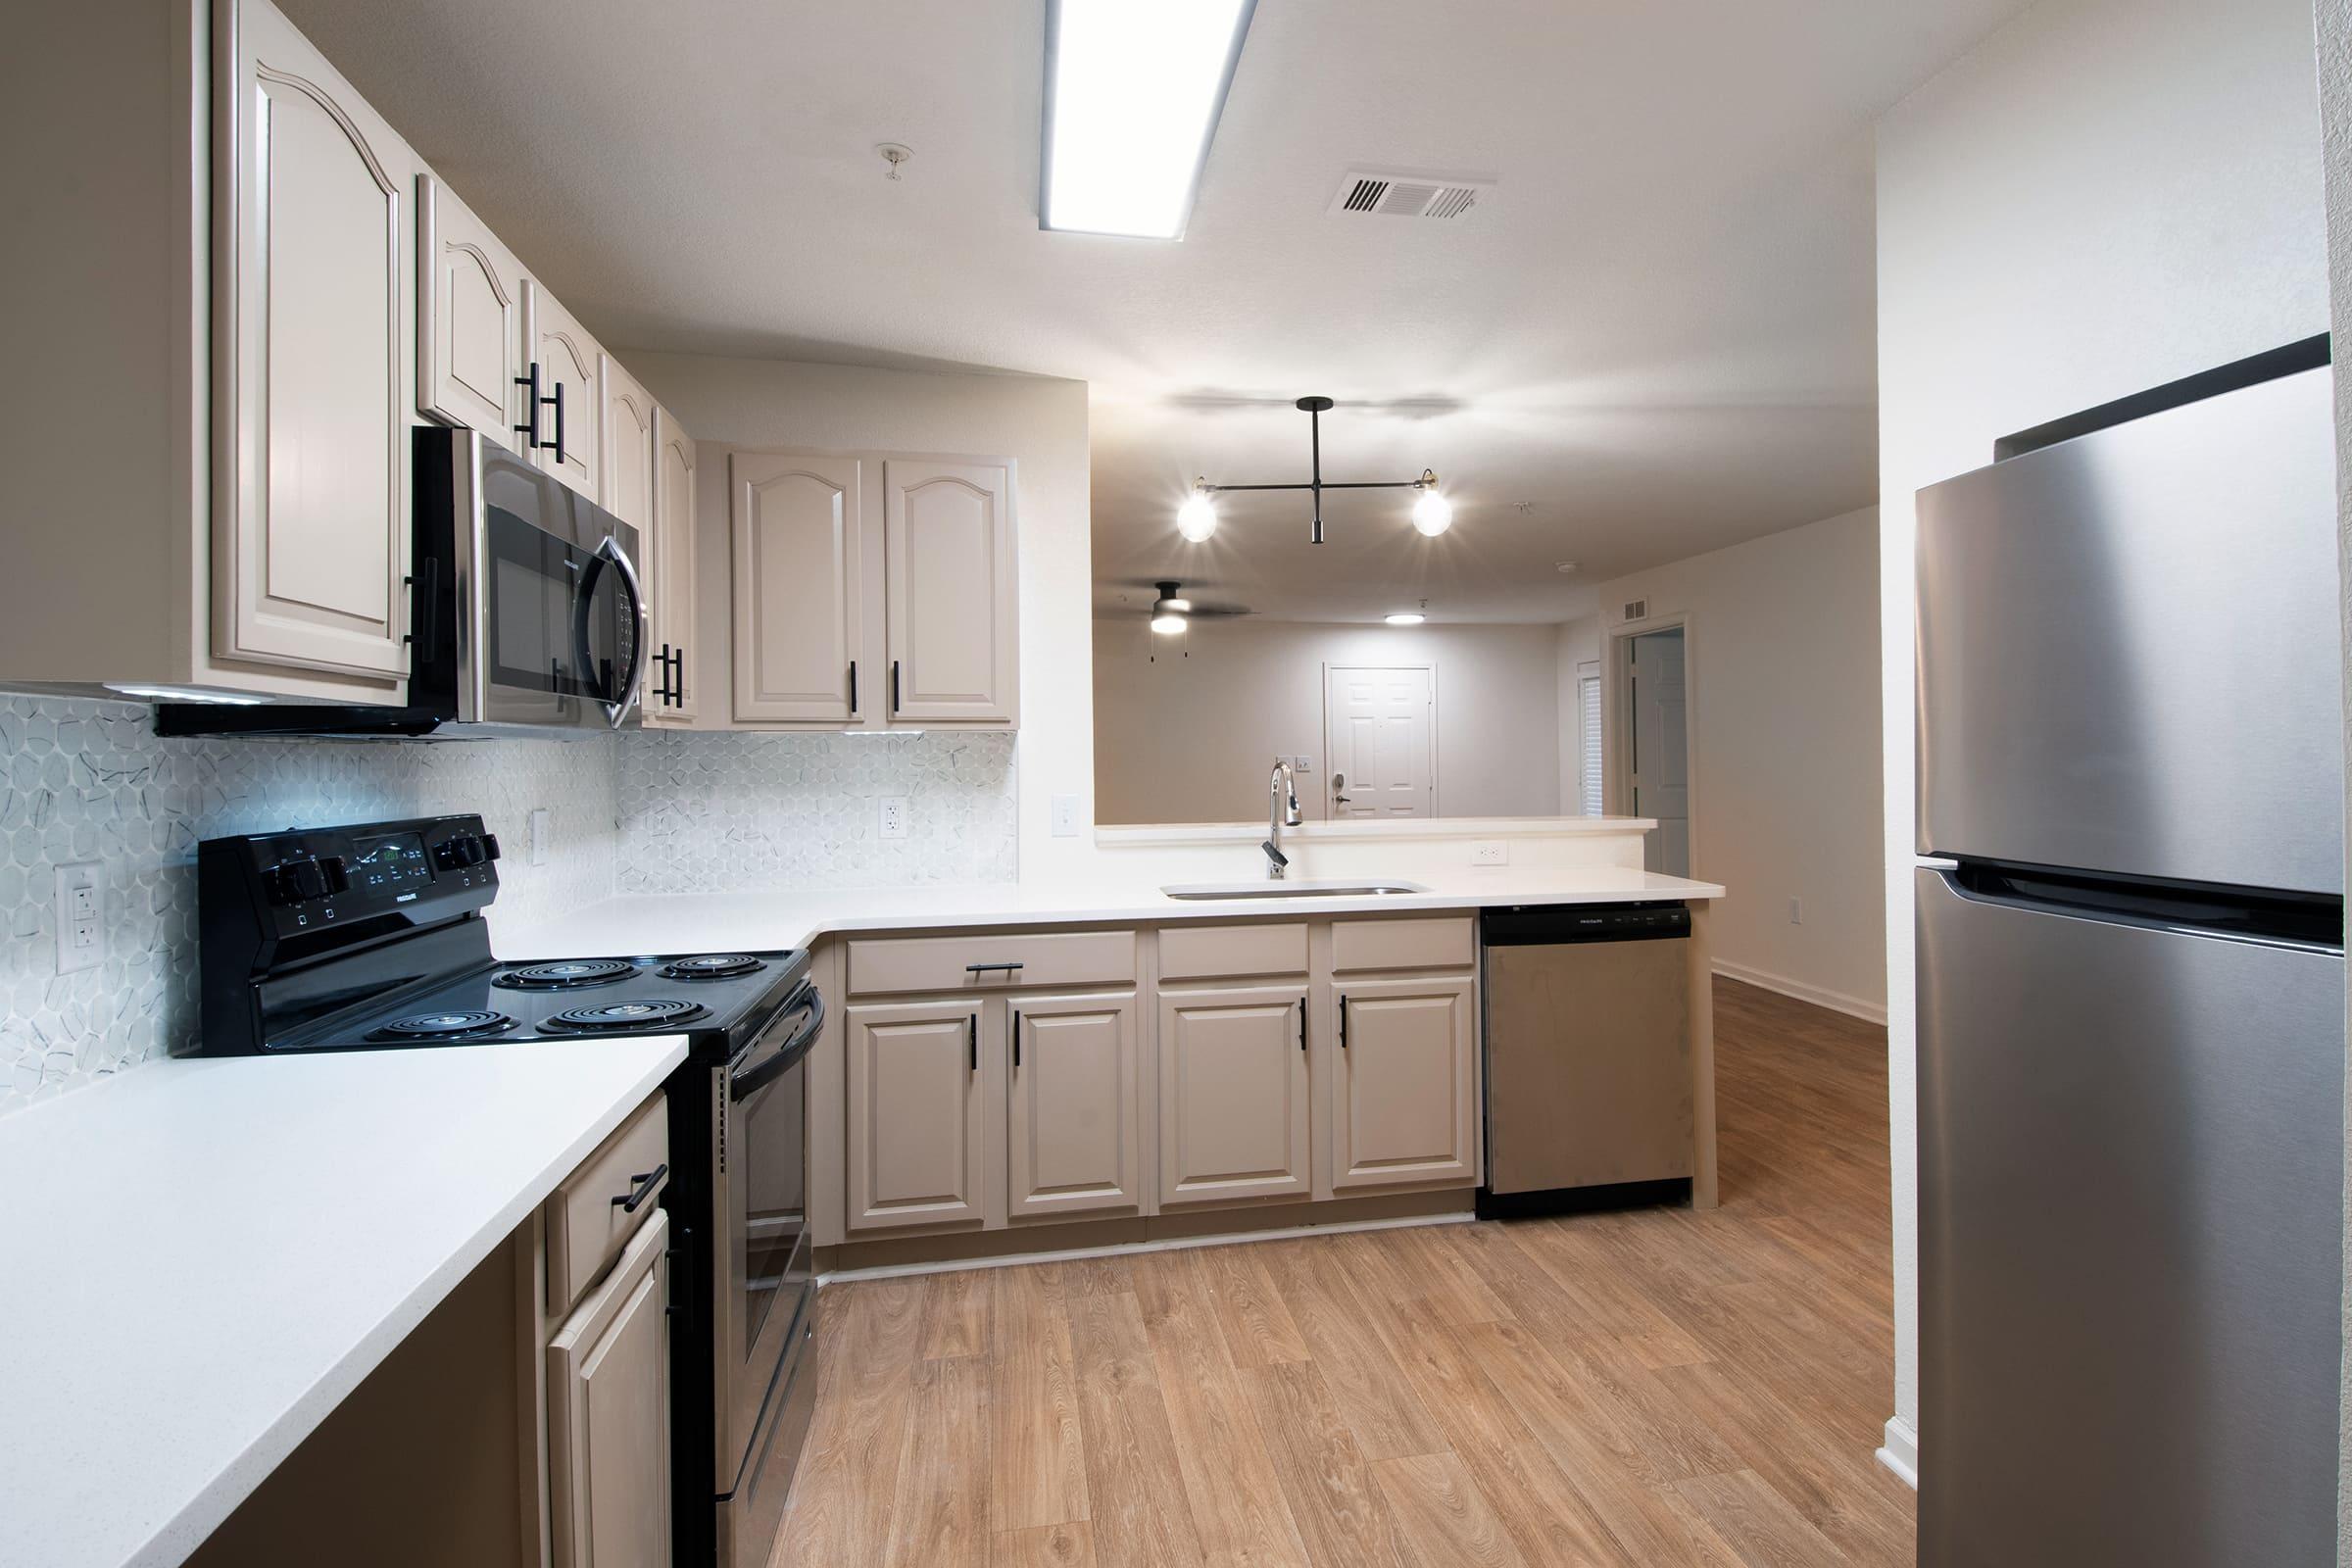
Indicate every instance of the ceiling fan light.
{"type": "Point", "coordinates": [1167, 623]}
{"type": "Point", "coordinates": [1196, 518]}
{"type": "Point", "coordinates": [1433, 514]}
{"type": "Point", "coordinates": [1405, 617]}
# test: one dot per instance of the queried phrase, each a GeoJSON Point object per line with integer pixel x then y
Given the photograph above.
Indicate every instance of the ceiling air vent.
{"type": "Point", "coordinates": [1401, 195]}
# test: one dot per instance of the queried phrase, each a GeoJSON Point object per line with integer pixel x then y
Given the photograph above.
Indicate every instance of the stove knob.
{"type": "Point", "coordinates": [296, 881]}
{"type": "Point", "coordinates": [490, 845]}
{"type": "Point", "coordinates": [336, 873]}
{"type": "Point", "coordinates": [470, 850]}
{"type": "Point", "coordinates": [277, 882]}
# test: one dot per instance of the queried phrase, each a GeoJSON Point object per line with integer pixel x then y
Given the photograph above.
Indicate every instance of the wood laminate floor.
{"type": "Point", "coordinates": [1644, 1388]}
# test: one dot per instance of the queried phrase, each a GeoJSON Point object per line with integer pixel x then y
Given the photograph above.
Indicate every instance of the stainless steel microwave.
{"type": "Point", "coordinates": [525, 614]}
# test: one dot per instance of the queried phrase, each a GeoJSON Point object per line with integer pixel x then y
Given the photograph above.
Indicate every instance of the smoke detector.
{"type": "Point", "coordinates": [1395, 193]}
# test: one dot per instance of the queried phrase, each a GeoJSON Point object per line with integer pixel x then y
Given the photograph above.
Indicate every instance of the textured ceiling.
{"type": "Point", "coordinates": [1657, 333]}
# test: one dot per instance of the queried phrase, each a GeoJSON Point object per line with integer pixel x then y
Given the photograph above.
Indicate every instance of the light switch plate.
{"type": "Point", "coordinates": [80, 926]}
{"type": "Point", "coordinates": [1065, 817]}
{"type": "Point", "coordinates": [1302, 765]}
{"type": "Point", "coordinates": [890, 818]}
{"type": "Point", "coordinates": [1491, 852]}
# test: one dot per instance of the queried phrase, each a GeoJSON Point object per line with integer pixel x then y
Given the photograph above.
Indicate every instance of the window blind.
{"type": "Point", "coordinates": [1588, 699]}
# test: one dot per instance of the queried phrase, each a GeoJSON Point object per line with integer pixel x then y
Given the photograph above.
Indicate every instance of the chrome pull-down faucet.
{"type": "Point", "coordinates": [1282, 810]}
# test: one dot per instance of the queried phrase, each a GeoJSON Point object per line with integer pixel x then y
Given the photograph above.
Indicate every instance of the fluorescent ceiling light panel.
{"type": "Point", "coordinates": [1133, 91]}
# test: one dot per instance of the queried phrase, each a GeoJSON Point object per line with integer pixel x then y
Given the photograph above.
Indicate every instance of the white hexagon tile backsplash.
{"type": "Point", "coordinates": [647, 813]}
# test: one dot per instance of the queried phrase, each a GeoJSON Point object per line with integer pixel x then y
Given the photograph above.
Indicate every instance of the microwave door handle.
{"type": "Point", "coordinates": [617, 703]}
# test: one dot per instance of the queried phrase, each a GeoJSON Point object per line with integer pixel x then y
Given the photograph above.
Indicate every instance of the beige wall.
{"type": "Point", "coordinates": [1040, 423]}
{"type": "Point", "coordinates": [1782, 644]}
{"type": "Point", "coordinates": [1189, 736]}
{"type": "Point", "coordinates": [2103, 196]}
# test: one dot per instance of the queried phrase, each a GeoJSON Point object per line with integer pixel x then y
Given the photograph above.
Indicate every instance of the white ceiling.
{"type": "Point", "coordinates": [1658, 331]}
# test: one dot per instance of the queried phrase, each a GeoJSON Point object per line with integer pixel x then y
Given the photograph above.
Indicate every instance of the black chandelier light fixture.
{"type": "Point", "coordinates": [1433, 514]}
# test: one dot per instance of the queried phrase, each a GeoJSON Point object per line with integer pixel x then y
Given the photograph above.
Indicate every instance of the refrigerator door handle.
{"type": "Point", "coordinates": [1935, 863]}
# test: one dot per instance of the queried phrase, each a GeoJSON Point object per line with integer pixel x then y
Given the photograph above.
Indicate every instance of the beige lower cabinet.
{"type": "Point", "coordinates": [608, 1410]}
{"type": "Point", "coordinates": [1233, 1095]}
{"type": "Point", "coordinates": [1403, 1082]}
{"type": "Point", "coordinates": [916, 1146]}
{"type": "Point", "coordinates": [1071, 1134]}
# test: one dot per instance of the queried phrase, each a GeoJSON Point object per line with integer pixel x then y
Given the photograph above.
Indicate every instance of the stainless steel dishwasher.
{"type": "Point", "coordinates": [1588, 1093]}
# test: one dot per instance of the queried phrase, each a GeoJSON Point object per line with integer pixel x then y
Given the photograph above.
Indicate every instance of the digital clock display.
{"type": "Point", "coordinates": [395, 862]}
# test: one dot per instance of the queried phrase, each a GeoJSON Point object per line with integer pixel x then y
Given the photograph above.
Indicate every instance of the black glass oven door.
{"type": "Point", "coordinates": [767, 1185]}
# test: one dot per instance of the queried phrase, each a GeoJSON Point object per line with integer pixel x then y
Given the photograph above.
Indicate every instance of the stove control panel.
{"type": "Point", "coordinates": [366, 879]}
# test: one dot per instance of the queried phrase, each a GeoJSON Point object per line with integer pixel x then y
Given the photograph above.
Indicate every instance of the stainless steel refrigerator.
{"type": "Point", "coordinates": [2131, 995]}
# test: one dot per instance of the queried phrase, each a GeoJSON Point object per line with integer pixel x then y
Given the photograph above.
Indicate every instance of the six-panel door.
{"type": "Point", "coordinates": [566, 356]}
{"type": "Point", "coordinates": [1071, 1124]}
{"type": "Point", "coordinates": [1233, 1086]}
{"type": "Point", "coordinates": [608, 1399]}
{"type": "Point", "coordinates": [673, 555]}
{"type": "Point", "coordinates": [312, 521]}
{"type": "Point", "coordinates": [916, 1149]}
{"type": "Point", "coordinates": [469, 346]}
{"type": "Point", "coordinates": [797, 535]}
{"type": "Point", "coordinates": [1403, 1105]}
{"type": "Point", "coordinates": [953, 624]}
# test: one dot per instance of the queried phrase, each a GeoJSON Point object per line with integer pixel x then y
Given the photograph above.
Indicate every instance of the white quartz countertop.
{"type": "Point", "coordinates": [707, 922]}
{"type": "Point", "coordinates": [201, 1258]}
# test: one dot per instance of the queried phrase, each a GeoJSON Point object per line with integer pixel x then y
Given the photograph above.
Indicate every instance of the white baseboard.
{"type": "Point", "coordinates": [1819, 995]}
{"type": "Point", "coordinates": [1166, 1244]}
{"type": "Point", "coordinates": [1901, 1452]}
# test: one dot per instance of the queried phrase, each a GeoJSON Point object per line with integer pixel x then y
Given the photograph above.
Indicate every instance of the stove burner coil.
{"type": "Point", "coordinates": [633, 1017]}
{"type": "Point", "coordinates": [461, 1025]}
{"type": "Point", "coordinates": [712, 967]}
{"type": "Point", "coordinates": [569, 974]}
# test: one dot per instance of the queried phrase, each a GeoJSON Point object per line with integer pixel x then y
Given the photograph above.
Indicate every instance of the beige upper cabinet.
{"type": "Point", "coordinates": [313, 396]}
{"type": "Point", "coordinates": [1233, 1095]}
{"type": "Point", "coordinates": [608, 1414]}
{"type": "Point", "coordinates": [798, 546]}
{"type": "Point", "coordinates": [469, 343]}
{"type": "Point", "coordinates": [1070, 1145]}
{"type": "Point", "coordinates": [1404, 1083]}
{"type": "Point", "coordinates": [626, 437]}
{"type": "Point", "coordinates": [566, 417]}
{"type": "Point", "coordinates": [954, 603]}
{"type": "Point", "coordinates": [915, 1148]}
{"type": "Point", "coordinates": [673, 583]}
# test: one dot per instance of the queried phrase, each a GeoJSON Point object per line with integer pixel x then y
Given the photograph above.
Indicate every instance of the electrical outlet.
{"type": "Point", "coordinates": [1797, 911]}
{"type": "Point", "coordinates": [1065, 817]}
{"type": "Point", "coordinates": [538, 836]}
{"type": "Point", "coordinates": [1491, 852]}
{"type": "Point", "coordinates": [1302, 765]}
{"type": "Point", "coordinates": [80, 932]}
{"type": "Point", "coordinates": [891, 818]}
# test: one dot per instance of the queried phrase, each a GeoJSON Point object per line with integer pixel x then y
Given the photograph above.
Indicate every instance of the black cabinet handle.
{"type": "Point", "coordinates": [992, 968]}
{"type": "Point", "coordinates": [852, 688]}
{"type": "Point", "coordinates": [894, 685]}
{"type": "Point", "coordinates": [661, 663]}
{"type": "Point", "coordinates": [529, 432]}
{"type": "Point", "coordinates": [558, 401]}
{"type": "Point", "coordinates": [424, 605]}
{"type": "Point", "coordinates": [972, 1023]}
{"type": "Point", "coordinates": [1016, 1038]}
{"type": "Point", "coordinates": [1301, 1023]}
{"type": "Point", "coordinates": [629, 1203]}
{"type": "Point", "coordinates": [1342, 1024]}
{"type": "Point", "coordinates": [677, 676]}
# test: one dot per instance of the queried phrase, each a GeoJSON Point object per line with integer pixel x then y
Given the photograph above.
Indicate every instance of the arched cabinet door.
{"type": "Point", "coordinates": [673, 558]}
{"type": "Point", "coordinates": [567, 360]}
{"type": "Point", "coordinates": [798, 526]}
{"type": "Point", "coordinates": [314, 367]}
{"type": "Point", "coordinates": [953, 613]}
{"type": "Point", "coordinates": [470, 348]}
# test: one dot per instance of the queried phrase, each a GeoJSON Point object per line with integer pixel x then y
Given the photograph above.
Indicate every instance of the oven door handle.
{"type": "Point", "coordinates": [756, 1077]}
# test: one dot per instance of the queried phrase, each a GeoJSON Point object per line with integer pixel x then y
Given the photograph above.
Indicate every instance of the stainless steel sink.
{"type": "Point", "coordinates": [1205, 891]}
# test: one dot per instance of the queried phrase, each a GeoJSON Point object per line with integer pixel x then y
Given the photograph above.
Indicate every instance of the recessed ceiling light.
{"type": "Point", "coordinates": [1405, 617]}
{"type": "Point", "coordinates": [1133, 93]}
{"type": "Point", "coordinates": [1563, 565]}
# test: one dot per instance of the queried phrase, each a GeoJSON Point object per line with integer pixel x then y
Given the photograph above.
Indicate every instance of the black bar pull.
{"type": "Point", "coordinates": [630, 1202]}
{"type": "Point", "coordinates": [529, 432]}
{"type": "Point", "coordinates": [424, 605]}
{"type": "Point", "coordinates": [991, 968]}
{"type": "Point", "coordinates": [972, 1022]}
{"type": "Point", "coordinates": [558, 401]}
{"type": "Point", "coordinates": [677, 676]}
{"type": "Point", "coordinates": [661, 663]}
{"type": "Point", "coordinates": [1342, 1024]}
{"type": "Point", "coordinates": [852, 688]}
{"type": "Point", "coordinates": [1301, 1023]}
{"type": "Point", "coordinates": [1017, 1038]}
{"type": "Point", "coordinates": [894, 685]}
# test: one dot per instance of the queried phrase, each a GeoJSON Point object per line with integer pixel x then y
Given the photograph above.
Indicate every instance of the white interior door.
{"type": "Point", "coordinates": [1662, 750]}
{"type": "Point", "coordinates": [1379, 733]}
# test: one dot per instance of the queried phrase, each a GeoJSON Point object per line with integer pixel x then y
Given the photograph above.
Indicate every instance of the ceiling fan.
{"type": "Point", "coordinates": [1173, 611]}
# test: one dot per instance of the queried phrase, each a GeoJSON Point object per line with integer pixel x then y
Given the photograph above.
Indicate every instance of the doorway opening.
{"type": "Point", "coordinates": [1380, 728]}
{"type": "Point", "coordinates": [1652, 777]}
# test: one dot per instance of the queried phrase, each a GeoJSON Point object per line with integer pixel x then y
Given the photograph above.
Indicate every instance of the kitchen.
{"type": "Point", "coordinates": [898, 673]}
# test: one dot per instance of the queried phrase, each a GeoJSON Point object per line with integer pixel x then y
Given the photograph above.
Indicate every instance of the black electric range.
{"type": "Point", "coordinates": [372, 937]}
